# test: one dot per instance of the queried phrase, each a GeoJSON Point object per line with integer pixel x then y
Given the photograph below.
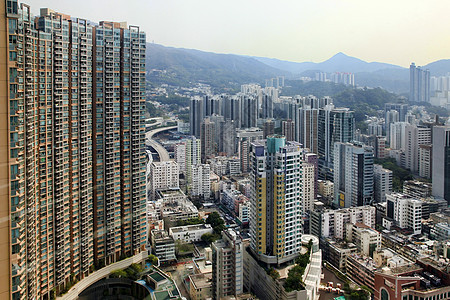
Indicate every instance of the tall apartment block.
{"type": "Point", "coordinates": [288, 130]}
{"type": "Point", "coordinates": [228, 264]}
{"type": "Point", "coordinates": [308, 129]}
{"type": "Point", "coordinates": [196, 115]}
{"type": "Point", "coordinates": [353, 174]}
{"type": "Point", "coordinates": [119, 169]}
{"type": "Point", "coordinates": [335, 125]}
{"type": "Point", "coordinates": [207, 137]}
{"type": "Point", "coordinates": [382, 183]}
{"type": "Point", "coordinates": [414, 137]}
{"type": "Point", "coordinates": [201, 182]}
{"type": "Point", "coordinates": [419, 84]}
{"type": "Point", "coordinates": [72, 148]}
{"type": "Point", "coordinates": [441, 162]}
{"type": "Point", "coordinates": [276, 204]}
{"type": "Point", "coordinates": [244, 140]}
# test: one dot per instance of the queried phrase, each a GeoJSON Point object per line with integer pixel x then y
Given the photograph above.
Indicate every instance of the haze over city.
{"type": "Point", "coordinates": [396, 32]}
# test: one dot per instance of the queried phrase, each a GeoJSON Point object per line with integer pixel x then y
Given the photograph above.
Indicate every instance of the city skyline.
{"type": "Point", "coordinates": [281, 31]}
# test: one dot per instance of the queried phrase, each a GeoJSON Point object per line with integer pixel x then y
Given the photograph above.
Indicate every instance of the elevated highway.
{"type": "Point", "coordinates": [149, 141]}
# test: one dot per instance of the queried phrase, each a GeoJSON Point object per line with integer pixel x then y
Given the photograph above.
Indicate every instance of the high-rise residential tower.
{"type": "Point", "coordinates": [441, 162]}
{"type": "Point", "coordinates": [228, 265]}
{"type": "Point", "coordinates": [414, 137]}
{"type": "Point", "coordinates": [288, 130]}
{"type": "Point", "coordinates": [207, 134]}
{"type": "Point", "coordinates": [353, 174]}
{"type": "Point", "coordinates": [308, 129]}
{"type": "Point", "coordinates": [335, 125]}
{"type": "Point", "coordinates": [419, 84]}
{"type": "Point", "coordinates": [72, 151]}
{"type": "Point", "coordinates": [276, 199]}
{"type": "Point", "coordinates": [196, 115]}
{"type": "Point", "coordinates": [382, 183]}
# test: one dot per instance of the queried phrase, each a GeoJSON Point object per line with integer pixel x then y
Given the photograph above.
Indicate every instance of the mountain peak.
{"type": "Point", "coordinates": [340, 54]}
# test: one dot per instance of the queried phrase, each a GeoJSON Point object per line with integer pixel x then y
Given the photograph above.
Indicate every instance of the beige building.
{"type": "Point", "coordinates": [367, 240]}
{"type": "Point", "coordinates": [200, 286]}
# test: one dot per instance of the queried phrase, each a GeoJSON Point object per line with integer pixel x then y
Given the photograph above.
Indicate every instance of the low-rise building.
{"type": "Point", "coordinates": [417, 189]}
{"type": "Point", "coordinates": [190, 233]}
{"type": "Point", "coordinates": [200, 286]}
{"type": "Point", "coordinates": [386, 257]}
{"type": "Point", "coordinates": [331, 223]}
{"type": "Point", "coordinates": [366, 239]}
{"type": "Point", "coordinates": [336, 253]}
{"type": "Point", "coordinates": [417, 281]}
{"type": "Point", "coordinates": [361, 269]}
{"type": "Point", "coordinates": [405, 212]}
{"type": "Point", "coordinates": [440, 231]}
{"type": "Point", "coordinates": [163, 246]}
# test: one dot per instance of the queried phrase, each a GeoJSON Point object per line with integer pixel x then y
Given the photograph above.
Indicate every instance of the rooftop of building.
{"type": "Point", "coordinates": [203, 265]}
{"type": "Point", "coordinates": [417, 183]}
{"type": "Point", "coordinates": [341, 244]}
{"type": "Point", "coordinates": [402, 269]}
{"type": "Point", "coordinates": [160, 235]}
{"type": "Point", "coordinates": [201, 281]}
{"type": "Point", "coordinates": [171, 192]}
{"type": "Point", "coordinates": [160, 286]}
{"type": "Point", "coordinates": [190, 228]}
{"type": "Point", "coordinates": [440, 264]}
{"type": "Point", "coordinates": [364, 261]}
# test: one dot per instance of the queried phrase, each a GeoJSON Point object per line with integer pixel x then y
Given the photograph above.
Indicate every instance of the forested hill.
{"type": "Point", "coordinates": [180, 67]}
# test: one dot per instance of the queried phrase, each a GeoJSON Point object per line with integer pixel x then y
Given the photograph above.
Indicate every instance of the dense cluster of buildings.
{"type": "Point", "coordinates": [294, 180]}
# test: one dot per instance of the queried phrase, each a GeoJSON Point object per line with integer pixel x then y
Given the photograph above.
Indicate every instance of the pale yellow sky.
{"type": "Point", "coordinates": [391, 31]}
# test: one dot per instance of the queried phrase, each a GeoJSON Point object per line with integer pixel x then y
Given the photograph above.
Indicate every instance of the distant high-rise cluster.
{"type": "Point", "coordinates": [419, 84]}
{"type": "Point", "coordinates": [73, 148]}
{"type": "Point", "coordinates": [337, 77]}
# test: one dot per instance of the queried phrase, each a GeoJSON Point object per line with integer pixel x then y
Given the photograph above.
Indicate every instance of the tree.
{"type": "Point", "coordinates": [119, 274]}
{"type": "Point", "coordinates": [273, 273]}
{"type": "Point", "coordinates": [192, 221]}
{"type": "Point", "coordinates": [209, 237]}
{"type": "Point", "coordinates": [153, 259]}
{"type": "Point", "coordinates": [216, 222]}
{"type": "Point", "coordinates": [359, 295]}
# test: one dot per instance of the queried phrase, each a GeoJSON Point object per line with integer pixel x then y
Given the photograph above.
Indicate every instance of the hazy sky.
{"type": "Point", "coordinates": [392, 31]}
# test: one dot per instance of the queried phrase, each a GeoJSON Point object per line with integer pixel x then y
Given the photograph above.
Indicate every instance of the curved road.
{"type": "Point", "coordinates": [162, 152]}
